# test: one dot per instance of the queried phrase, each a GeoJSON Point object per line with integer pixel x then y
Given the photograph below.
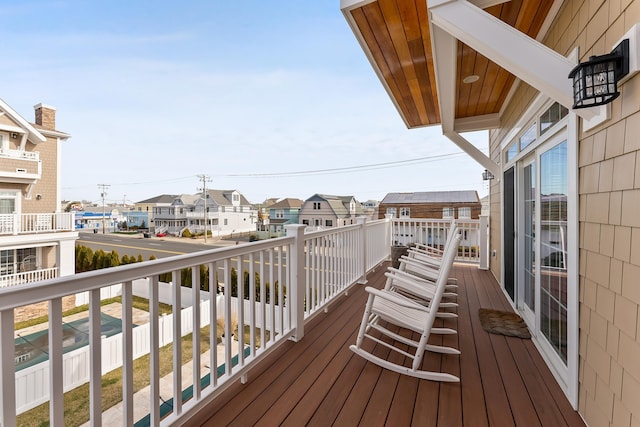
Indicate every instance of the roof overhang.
{"type": "Point", "coordinates": [32, 133]}
{"type": "Point", "coordinates": [456, 63]}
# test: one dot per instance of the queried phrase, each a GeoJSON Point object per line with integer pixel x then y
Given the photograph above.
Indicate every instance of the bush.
{"type": "Point", "coordinates": [186, 233]}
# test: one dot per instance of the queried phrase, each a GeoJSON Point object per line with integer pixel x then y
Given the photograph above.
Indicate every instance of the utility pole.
{"type": "Point", "coordinates": [205, 178]}
{"type": "Point", "coordinates": [103, 194]}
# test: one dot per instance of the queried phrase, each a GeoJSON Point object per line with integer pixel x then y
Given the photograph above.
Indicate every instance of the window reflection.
{"type": "Point", "coordinates": [553, 247]}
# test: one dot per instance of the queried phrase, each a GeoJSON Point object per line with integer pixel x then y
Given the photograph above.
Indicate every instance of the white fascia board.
{"type": "Point", "coordinates": [35, 136]}
{"type": "Point", "coordinates": [444, 50]}
{"type": "Point", "coordinates": [345, 7]}
{"type": "Point", "coordinates": [523, 56]}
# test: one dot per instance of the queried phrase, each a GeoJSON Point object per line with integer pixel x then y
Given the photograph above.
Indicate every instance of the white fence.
{"type": "Point", "coordinates": [32, 383]}
{"type": "Point", "coordinates": [287, 279]}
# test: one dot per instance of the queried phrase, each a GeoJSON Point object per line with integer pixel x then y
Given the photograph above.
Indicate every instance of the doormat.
{"type": "Point", "coordinates": [503, 323]}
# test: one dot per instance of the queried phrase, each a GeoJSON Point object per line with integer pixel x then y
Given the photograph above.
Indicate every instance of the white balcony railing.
{"type": "Point", "coordinates": [20, 154]}
{"type": "Point", "coordinates": [433, 232]}
{"type": "Point", "coordinates": [28, 277]}
{"type": "Point", "coordinates": [36, 223]}
{"type": "Point", "coordinates": [279, 284]}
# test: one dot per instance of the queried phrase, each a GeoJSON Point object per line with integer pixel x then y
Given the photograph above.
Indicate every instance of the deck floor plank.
{"type": "Point", "coordinates": [319, 381]}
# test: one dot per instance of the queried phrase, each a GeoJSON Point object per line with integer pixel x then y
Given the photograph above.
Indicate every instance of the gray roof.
{"type": "Point", "coordinates": [287, 203]}
{"type": "Point", "coordinates": [221, 199]}
{"type": "Point", "coordinates": [163, 198]}
{"type": "Point", "coordinates": [470, 196]}
{"type": "Point", "coordinates": [339, 204]}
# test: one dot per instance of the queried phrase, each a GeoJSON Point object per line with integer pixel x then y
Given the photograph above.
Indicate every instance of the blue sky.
{"type": "Point", "coordinates": [155, 93]}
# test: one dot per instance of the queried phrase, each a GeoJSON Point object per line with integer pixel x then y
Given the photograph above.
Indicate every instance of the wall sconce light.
{"type": "Point", "coordinates": [14, 135]}
{"type": "Point", "coordinates": [487, 175]}
{"type": "Point", "coordinates": [38, 196]}
{"type": "Point", "coordinates": [595, 82]}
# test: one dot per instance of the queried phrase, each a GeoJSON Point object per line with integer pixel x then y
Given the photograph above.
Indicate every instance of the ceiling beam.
{"type": "Point", "coordinates": [444, 50]}
{"type": "Point", "coordinates": [527, 59]}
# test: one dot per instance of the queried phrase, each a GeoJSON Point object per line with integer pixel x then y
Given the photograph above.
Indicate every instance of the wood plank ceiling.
{"type": "Point", "coordinates": [396, 33]}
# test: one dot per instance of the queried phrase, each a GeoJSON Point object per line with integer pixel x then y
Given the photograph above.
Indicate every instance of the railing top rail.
{"type": "Point", "coordinates": [30, 293]}
{"type": "Point", "coordinates": [330, 231]}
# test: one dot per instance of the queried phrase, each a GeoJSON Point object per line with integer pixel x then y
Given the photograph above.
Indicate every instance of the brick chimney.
{"type": "Point", "coordinates": [45, 116]}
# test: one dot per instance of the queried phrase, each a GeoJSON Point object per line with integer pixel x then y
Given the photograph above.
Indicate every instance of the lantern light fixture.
{"type": "Point", "coordinates": [487, 175]}
{"type": "Point", "coordinates": [595, 82]}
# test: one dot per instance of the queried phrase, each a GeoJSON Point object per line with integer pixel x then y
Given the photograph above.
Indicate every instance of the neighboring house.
{"type": "Point", "coordinates": [173, 219]}
{"type": "Point", "coordinates": [227, 211]}
{"type": "Point", "coordinates": [447, 205]}
{"type": "Point", "coordinates": [370, 209]}
{"type": "Point", "coordinates": [37, 240]}
{"type": "Point", "coordinates": [565, 199]}
{"type": "Point", "coordinates": [95, 218]}
{"type": "Point", "coordinates": [325, 211]}
{"type": "Point", "coordinates": [147, 206]}
{"type": "Point", "coordinates": [262, 223]}
{"type": "Point", "coordinates": [281, 213]}
{"type": "Point", "coordinates": [431, 205]}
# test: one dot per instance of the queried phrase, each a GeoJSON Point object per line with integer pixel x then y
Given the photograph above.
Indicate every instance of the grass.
{"type": "Point", "coordinates": [76, 401]}
{"type": "Point", "coordinates": [138, 302]}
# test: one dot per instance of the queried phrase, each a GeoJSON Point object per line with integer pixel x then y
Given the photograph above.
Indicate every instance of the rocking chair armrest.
{"type": "Point", "coordinates": [391, 271]}
{"type": "Point", "coordinates": [396, 299]}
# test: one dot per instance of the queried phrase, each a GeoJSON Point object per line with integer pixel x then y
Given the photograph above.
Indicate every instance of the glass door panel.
{"type": "Point", "coordinates": [529, 238]}
{"type": "Point", "coordinates": [553, 247]}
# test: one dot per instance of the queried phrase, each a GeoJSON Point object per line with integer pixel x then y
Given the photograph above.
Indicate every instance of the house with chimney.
{"type": "Point", "coordinates": [37, 239]}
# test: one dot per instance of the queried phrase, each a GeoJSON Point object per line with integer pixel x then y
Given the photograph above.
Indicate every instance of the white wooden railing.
{"type": "Point", "coordinates": [28, 276]}
{"type": "Point", "coordinates": [433, 232]}
{"type": "Point", "coordinates": [20, 154]}
{"type": "Point", "coordinates": [36, 223]}
{"type": "Point", "coordinates": [290, 278]}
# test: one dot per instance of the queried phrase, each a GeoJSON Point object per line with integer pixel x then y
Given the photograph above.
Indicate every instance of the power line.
{"type": "Point", "coordinates": [347, 169]}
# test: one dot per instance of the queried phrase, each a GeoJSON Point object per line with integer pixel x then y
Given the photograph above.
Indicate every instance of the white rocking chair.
{"type": "Point", "coordinates": [387, 307]}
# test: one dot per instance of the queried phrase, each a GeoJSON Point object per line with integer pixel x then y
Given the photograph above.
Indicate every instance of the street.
{"type": "Point", "coordinates": [134, 245]}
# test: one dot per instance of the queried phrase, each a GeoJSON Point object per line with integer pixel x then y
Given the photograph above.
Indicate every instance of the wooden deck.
{"type": "Point", "coordinates": [320, 382]}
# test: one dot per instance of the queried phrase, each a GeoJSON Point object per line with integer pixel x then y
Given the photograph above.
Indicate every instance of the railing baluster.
{"type": "Point", "coordinates": [252, 304]}
{"type": "Point", "coordinates": [263, 302]}
{"type": "Point", "coordinates": [227, 316]}
{"type": "Point", "coordinates": [273, 291]}
{"type": "Point", "coordinates": [195, 336]}
{"type": "Point", "coordinates": [127, 353]}
{"type": "Point", "coordinates": [56, 393]}
{"type": "Point", "coordinates": [7, 370]}
{"type": "Point", "coordinates": [213, 325]}
{"type": "Point", "coordinates": [95, 364]}
{"type": "Point", "coordinates": [240, 308]}
{"type": "Point", "coordinates": [154, 356]}
{"type": "Point", "coordinates": [176, 303]}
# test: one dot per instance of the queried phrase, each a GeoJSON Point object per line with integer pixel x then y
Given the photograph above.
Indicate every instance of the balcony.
{"type": "Point", "coordinates": [300, 307]}
{"type": "Point", "coordinates": [19, 166]}
{"type": "Point", "coordinates": [35, 223]}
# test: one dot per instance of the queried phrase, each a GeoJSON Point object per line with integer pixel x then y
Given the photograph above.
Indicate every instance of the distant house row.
{"type": "Point", "coordinates": [228, 212]}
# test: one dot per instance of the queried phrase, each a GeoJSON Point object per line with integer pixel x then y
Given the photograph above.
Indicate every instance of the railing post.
{"type": "Point", "coordinates": [16, 223]}
{"type": "Point", "coordinates": [297, 276]}
{"type": "Point", "coordinates": [362, 222]}
{"type": "Point", "coordinates": [7, 370]}
{"type": "Point", "coordinates": [484, 242]}
{"type": "Point", "coordinates": [389, 218]}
